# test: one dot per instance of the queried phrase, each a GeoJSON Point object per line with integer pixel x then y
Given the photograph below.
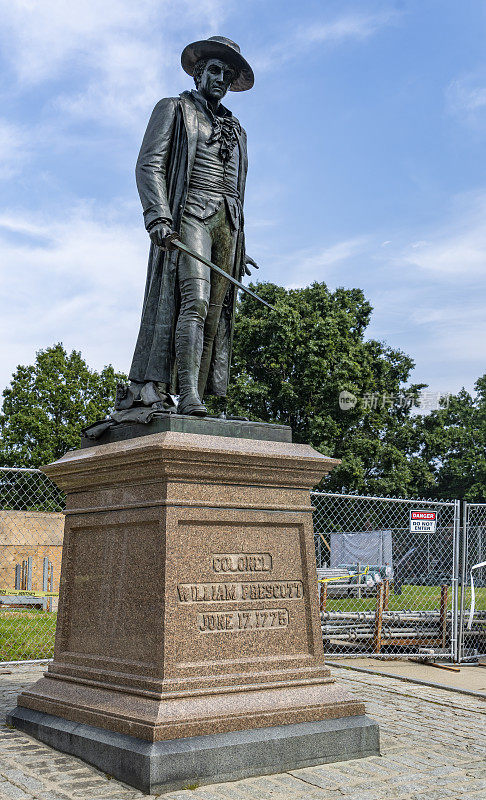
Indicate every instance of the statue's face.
{"type": "Point", "coordinates": [216, 80]}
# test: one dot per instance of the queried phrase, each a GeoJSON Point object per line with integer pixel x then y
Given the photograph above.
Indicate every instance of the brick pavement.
{"type": "Point", "coordinates": [433, 746]}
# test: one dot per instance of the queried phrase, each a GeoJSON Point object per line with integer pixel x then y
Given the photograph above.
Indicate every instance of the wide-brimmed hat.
{"type": "Point", "coordinates": [224, 49]}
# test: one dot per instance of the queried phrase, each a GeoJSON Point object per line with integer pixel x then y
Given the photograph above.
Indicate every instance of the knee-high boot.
{"type": "Point", "coordinates": [189, 347]}
{"type": "Point", "coordinates": [207, 352]}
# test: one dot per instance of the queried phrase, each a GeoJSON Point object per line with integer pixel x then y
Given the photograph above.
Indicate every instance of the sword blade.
{"type": "Point", "coordinates": [185, 249]}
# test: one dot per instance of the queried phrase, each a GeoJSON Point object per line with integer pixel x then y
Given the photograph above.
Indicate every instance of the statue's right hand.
{"type": "Point", "coordinates": [159, 233]}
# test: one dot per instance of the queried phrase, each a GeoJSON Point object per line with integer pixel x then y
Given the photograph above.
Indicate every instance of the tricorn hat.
{"type": "Point", "coordinates": [226, 50]}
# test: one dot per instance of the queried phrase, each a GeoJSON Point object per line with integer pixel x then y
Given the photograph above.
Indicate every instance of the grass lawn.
{"type": "Point", "coordinates": [413, 598]}
{"type": "Point", "coordinates": [29, 634]}
{"type": "Point", "coordinates": [26, 634]}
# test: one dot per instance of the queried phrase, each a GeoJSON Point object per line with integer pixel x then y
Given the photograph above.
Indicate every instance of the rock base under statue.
{"type": "Point", "coordinates": [188, 643]}
{"type": "Point", "coordinates": [181, 423]}
{"type": "Point", "coordinates": [179, 763]}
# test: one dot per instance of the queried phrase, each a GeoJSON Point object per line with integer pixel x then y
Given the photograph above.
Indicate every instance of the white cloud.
{"type": "Point", "coordinates": [129, 78]}
{"type": "Point", "coordinates": [348, 27]}
{"type": "Point", "coordinates": [45, 36]}
{"type": "Point", "coordinates": [79, 280]}
{"type": "Point", "coordinates": [111, 62]}
{"type": "Point", "coordinates": [122, 54]}
{"type": "Point", "coordinates": [466, 97]}
{"type": "Point", "coordinates": [14, 149]}
{"type": "Point", "coordinates": [303, 266]}
{"type": "Point", "coordinates": [462, 337]}
{"type": "Point", "coordinates": [455, 330]}
{"type": "Point", "coordinates": [427, 296]}
{"type": "Point", "coordinates": [459, 248]}
{"type": "Point", "coordinates": [316, 265]}
{"type": "Point", "coordinates": [432, 304]}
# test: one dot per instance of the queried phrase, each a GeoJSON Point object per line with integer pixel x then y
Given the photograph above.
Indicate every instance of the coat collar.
{"type": "Point", "coordinates": [200, 100]}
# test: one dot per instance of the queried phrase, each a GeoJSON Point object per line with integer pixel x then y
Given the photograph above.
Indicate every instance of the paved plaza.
{"type": "Point", "coordinates": [433, 744]}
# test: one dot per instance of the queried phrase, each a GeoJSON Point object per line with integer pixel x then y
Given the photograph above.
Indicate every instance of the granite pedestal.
{"type": "Point", "coordinates": [188, 644]}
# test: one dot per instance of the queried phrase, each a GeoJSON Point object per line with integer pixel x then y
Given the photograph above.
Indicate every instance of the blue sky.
{"type": "Point", "coordinates": [366, 129]}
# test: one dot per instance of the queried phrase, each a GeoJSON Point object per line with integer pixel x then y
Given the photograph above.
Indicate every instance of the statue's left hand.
{"type": "Point", "coordinates": [250, 261]}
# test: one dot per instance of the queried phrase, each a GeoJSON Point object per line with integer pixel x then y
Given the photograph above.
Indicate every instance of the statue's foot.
{"type": "Point", "coordinates": [126, 396]}
{"type": "Point", "coordinates": [166, 408]}
{"type": "Point", "coordinates": [155, 395]}
{"type": "Point", "coordinates": [191, 405]}
{"type": "Point", "coordinates": [149, 394]}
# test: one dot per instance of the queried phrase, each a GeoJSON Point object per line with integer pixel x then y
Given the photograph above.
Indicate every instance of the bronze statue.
{"type": "Point", "coordinates": [191, 175]}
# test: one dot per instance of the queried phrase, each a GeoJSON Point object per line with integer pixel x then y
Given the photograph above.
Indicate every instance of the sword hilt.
{"type": "Point", "coordinates": [168, 240]}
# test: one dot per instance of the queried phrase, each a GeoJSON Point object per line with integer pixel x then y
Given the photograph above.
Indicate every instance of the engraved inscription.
{"type": "Point", "coordinates": [262, 619]}
{"type": "Point", "coordinates": [241, 562]}
{"type": "Point", "coordinates": [227, 592]}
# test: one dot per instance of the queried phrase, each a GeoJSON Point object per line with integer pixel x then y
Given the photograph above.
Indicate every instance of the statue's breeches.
{"type": "Point", "coordinates": [202, 294]}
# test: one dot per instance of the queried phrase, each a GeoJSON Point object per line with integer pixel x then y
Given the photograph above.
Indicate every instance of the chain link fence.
{"type": "Point", "coordinates": [31, 531]}
{"type": "Point", "coordinates": [473, 581]}
{"type": "Point", "coordinates": [383, 588]}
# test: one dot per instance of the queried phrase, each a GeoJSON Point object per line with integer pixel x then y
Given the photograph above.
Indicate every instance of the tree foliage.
{"type": "Point", "coordinates": [290, 367]}
{"type": "Point", "coordinates": [452, 441]}
{"type": "Point", "coordinates": [47, 404]}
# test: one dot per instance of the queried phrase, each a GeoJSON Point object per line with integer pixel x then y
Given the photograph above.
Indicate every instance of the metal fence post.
{"type": "Point", "coordinates": [457, 579]}
{"type": "Point", "coordinates": [463, 581]}
{"type": "Point", "coordinates": [45, 574]}
{"type": "Point", "coordinates": [29, 573]}
{"type": "Point", "coordinates": [45, 570]}
{"type": "Point", "coordinates": [455, 582]}
{"type": "Point", "coordinates": [378, 618]}
{"type": "Point", "coordinates": [473, 571]}
{"type": "Point", "coordinates": [443, 614]}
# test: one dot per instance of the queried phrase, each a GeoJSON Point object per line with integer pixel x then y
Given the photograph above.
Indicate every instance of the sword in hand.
{"type": "Point", "coordinates": [172, 241]}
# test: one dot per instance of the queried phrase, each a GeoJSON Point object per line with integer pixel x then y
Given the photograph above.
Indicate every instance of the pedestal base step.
{"type": "Point", "coordinates": [178, 763]}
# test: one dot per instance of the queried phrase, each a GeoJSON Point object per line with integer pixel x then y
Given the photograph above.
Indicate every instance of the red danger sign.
{"type": "Point", "coordinates": [423, 521]}
{"type": "Point", "coordinates": [424, 514]}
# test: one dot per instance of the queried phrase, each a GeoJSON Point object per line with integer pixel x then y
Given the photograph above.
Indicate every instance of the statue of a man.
{"type": "Point", "coordinates": [191, 175]}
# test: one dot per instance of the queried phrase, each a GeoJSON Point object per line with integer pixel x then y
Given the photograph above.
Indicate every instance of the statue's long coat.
{"type": "Point", "coordinates": [163, 173]}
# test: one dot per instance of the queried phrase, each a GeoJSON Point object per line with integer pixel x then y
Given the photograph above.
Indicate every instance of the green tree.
{"type": "Point", "coordinates": [290, 367]}
{"type": "Point", "coordinates": [452, 442]}
{"type": "Point", "coordinates": [47, 404]}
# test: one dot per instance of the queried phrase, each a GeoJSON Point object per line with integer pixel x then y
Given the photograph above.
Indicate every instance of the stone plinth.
{"type": "Point", "coordinates": [181, 423]}
{"type": "Point", "coordinates": [188, 609]}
